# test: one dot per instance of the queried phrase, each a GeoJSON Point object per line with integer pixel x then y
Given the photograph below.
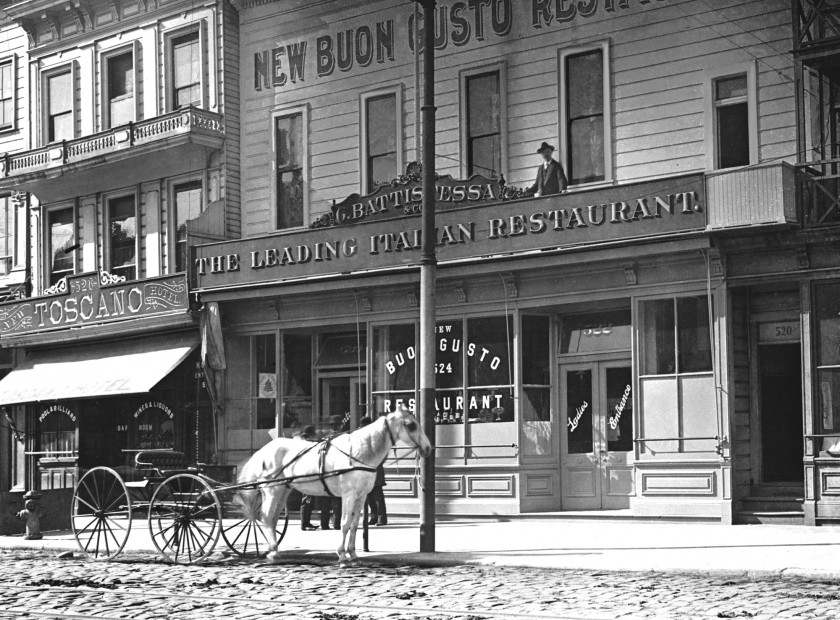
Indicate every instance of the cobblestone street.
{"type": "Point", "coordinates": [40, 585]}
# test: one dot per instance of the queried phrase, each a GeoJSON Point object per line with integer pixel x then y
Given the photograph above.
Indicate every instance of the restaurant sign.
{"type": "Point", "coordinates": [383, 234]}
{"type": "Point", "coordinates": [93, 298]}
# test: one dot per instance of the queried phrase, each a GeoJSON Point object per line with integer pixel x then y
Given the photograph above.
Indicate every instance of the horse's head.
{"type": "Point", "coordinates": [403, 425]}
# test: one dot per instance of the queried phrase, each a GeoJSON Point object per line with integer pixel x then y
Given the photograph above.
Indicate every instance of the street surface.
{"type": "Point", "coordinates": [37, 584]}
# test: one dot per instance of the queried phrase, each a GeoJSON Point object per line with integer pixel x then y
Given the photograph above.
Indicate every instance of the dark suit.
{"type": "Point", "coordinates": [550, 180]}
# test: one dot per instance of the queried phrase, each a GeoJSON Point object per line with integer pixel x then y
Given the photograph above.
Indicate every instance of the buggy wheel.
{"type": "Point", "coordinates": [184, 519]}
{"type": "Point", "coordinates": [243, 528]}
{"type": "Point", "coordinates": [100, 514]}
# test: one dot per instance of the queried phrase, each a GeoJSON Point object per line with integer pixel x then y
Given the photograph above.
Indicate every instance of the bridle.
{"type": "Point", "coordinates": [394, 441]}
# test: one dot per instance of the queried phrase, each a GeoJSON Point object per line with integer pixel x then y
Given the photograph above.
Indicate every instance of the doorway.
{"type": "Point", "coordinates": [597, 446]}
{"type": "Point", "coordinates": [342, 394]}
{"type": "Point", "coordinates": [780, 402]}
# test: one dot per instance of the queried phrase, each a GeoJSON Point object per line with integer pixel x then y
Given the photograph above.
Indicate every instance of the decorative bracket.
{"type": "Point", "coordinates": [630, 275]}
{"type": "Point", "coordinates": [29, 28]}
{"type": "Point", "coordinates": [460, 291]}
{"type": "Point", "coordinates": [107, 278]}
{"type": "Point", "coordinates": [115, 10]}
{"type": "Point", "coordinates": [412, 299]}
{"type": "Point", "coordinates": [362, 300]}
{"type": "Point", "coordinates": [509, 281]}
{"type": "Point", "coordinates": [54, 24]}
{"type": "Point", "coordinates": [274, 309]}
{"type": "Point", "coordinates": [83, 13]}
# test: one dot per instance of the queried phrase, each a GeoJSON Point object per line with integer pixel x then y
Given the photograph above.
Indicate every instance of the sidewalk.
{"type": "Point", "coordinates": [754, 550]}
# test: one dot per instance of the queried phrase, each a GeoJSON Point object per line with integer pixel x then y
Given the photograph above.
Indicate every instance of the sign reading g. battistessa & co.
{"type": "Point", "coordinates": [91, 298]}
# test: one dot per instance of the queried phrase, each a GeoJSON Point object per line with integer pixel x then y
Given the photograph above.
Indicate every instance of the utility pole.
{"type": "Point", "coordinates": [428, 263]}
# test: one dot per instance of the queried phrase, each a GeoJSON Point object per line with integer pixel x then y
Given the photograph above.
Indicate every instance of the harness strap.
{"type": "Point", "coordinates": [322, 465]}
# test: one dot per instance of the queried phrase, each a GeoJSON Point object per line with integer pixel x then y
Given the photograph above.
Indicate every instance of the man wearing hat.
{"type": "Point", "coordinates": [327, 505]}
{"type": "Point", "coordinates": [550, 176]}
{"type": "Point", "coordinates": [307, 502]}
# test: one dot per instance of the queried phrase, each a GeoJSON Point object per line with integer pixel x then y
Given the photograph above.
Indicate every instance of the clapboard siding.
{"type": "Point", "coordinates": [660, 58]}
{"type": "Point", "coordinates": [229, 72]}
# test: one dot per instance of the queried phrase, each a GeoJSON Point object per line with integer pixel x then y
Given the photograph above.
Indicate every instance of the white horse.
{"type": "Point", "coordinates": [344, 465]}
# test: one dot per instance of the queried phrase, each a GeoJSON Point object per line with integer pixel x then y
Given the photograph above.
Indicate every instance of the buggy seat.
{"type": "Point", "coordinates": [157, 465]}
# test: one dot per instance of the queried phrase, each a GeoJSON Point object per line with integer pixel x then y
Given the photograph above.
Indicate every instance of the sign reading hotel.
{"type": "Point", "coordinates": [92, 298]}
{"type": "Point", "coordinates": [475, 219]}
{"type": "Point", "coordinates": [352, 47]}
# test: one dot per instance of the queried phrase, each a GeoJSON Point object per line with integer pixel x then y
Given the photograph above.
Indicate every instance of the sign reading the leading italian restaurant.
{"type": "Point", "coordinates": [356, 44]}
{"type": "Point", "coordinates": [92, 298]}
{"type": "Point", "coordinates": [385, 230]}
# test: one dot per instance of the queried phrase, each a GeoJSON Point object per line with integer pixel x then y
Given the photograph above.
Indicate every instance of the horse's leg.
{"type": "Point", "coordinates": [274, 497]}
{"type": "Point", "coordinates": [352, 524]}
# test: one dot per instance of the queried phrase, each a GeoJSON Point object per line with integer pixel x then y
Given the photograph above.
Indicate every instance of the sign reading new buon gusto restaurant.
{"type": "Point", "coordinates": [475, 218]}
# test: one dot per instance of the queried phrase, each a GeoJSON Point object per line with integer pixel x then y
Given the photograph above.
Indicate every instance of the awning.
{"type": "Point", "coordinates": [105, 369]}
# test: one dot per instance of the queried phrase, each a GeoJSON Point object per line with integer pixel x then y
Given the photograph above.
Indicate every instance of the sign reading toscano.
{"type": "Point", "coordinates": [378, 240]}
{"type": "Point", "coordinates": [91, 298]}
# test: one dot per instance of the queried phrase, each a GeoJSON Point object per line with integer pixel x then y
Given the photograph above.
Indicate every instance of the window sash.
{"type": "Point", "coordinates": [122, 240]}
{"type": "Point", "coordinates": [185, 64]}
{"type": "Point", "coordinates": [7, 95]}
{"type": "Point", "coordinates": [289, 143]}
{"type": "Point", "coordinates": [585, 123]}
{"type": "Point", "coordinates": [483, 123]}
{"type": "Point", "coordinates": [60, 106]}
{"type": "Point", "coordinates": [61, 237]}
{"type": "Point", "coordinates": [380, 140]}
{"type": "Point", "coordinates": [189, 204]}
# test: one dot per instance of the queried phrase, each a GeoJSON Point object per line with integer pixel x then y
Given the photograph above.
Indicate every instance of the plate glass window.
{"type": "Point", "coordinates": [828, 357]}
{"type": "Point", "coordinates": [120, 89]}
{"type": "Point", "coordinates": [186, 70]}
{"type": "Point", "coordinates": [289, 145]}
{"type": "Point", "coordinates": [122, 244]}
{"type": "Point", "coordinates": [61, 238]}
{"type": "Point", "coordinates": [732, 121]}
{"type": "Point", "coordinates": [585, 117]}
{"type": "Point", "coordinates": [188, 205]}
{"type": "Point", "coordinates": [381, 140]}
{"type": "Point", "coordinates": [484, 128]}
{"type": "Point", "coordinates": [60, 106]}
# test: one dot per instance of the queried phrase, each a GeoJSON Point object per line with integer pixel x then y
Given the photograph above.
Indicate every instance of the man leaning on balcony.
{"type": "Point", "coordinates": [550, 176]}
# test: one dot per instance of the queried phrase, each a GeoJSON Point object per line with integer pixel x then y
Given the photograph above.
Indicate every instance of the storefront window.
{"type": "Point", "coordinates": [297, 381]}
{"type": "Point", "coordinates": [676, 378]}
{"type": "Point", "coordinates": [252, 391]}
{"type": "Point", "coordinates": [58, 432]}
{"type": "Point", "coordinates": [536, 386]}
{"type": "Point", "coordinates": [265, 369]}
{"type": "Point", "coordinates": [828, 356]}
{"type": "Point", "coordinates": [394, 359]}
{"type": "Point", "coordinates": [154, 427]}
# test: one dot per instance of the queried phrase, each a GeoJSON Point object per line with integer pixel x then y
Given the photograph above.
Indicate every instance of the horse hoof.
{"type": "Point", "coordinates": [272, 557]}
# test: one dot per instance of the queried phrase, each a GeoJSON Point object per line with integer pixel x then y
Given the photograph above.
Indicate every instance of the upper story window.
{"type": "Point", "coordinates": [731, 114]}
{"type": "Point", "coordinates": [732, 121]}
{"type": "Point", "coordinates": [61, 237]}
{"type": "Point", "coordinates": [290, 154]}
{"type": "Point", "coordinates": [189, 203]}
{"type": "Point", "coordinates": [185, 63]}
{"type": "Point", "coordinates": [484, 129]}
{"type": "Point", "coordinates": [381, 139]}
{"type": "Point", "coordinates": [7, 94]}
{"type": "Point", "coordinates": [585, 113]}
{"type": "Point", "coordinates": [122, 237]}
{"type": "Point", "coordinates": [59, 95]}
{"type": "Point", "coordinates": [119, 73]}
{"type": "Point", "coordinates": [8, 223]}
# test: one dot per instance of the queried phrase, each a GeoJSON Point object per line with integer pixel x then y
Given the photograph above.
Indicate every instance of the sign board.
{"type": "Point", "coordinates": [493, 227]}
{"type": "Point", "coordinates": [94, 298]}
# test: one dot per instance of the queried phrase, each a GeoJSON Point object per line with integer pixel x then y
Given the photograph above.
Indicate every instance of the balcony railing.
{"type": "Point", "coordinates": [752, 196]}
{"type": "Point", "coordinates": [819, 192]}
{"type": "Point", "coordinates": [193, 121]}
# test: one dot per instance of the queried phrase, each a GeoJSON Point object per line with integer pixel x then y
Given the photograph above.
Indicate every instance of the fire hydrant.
{"type": "Point", "coordinates": [32, 514]}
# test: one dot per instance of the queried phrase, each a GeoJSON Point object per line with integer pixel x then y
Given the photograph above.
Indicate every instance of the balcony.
{"type": "Point", "coordinates": [819, 192]}
{"type": "Point", "coordinates": [753, 196]}
{"type": "Point", "coordinates": [155, 148]}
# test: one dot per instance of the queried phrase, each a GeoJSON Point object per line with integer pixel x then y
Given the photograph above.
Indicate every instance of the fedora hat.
{"type": "Point", "coordinates": [545, 146]}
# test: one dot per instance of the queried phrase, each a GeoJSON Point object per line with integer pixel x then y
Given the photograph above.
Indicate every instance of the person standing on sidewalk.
{"type": "Point", "coordinates": [307, 502]}
{"type": "Point", "coordinates": [327, 505]}
{"type": "Point", "coordinates": [376, 498]}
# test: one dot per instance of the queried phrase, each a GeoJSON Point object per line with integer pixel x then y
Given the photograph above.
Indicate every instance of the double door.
{"type": "Point", "coordinates": [596, 402]}
{"type": "Point", "coordinates": [342, 394]}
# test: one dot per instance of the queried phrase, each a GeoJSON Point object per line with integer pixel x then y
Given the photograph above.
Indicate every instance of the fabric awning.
{"type": "Point", "coordinates": [105, 369]}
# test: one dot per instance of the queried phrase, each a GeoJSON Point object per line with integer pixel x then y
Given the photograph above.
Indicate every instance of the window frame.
{"type": "Point", "coordinates": [169, 68]}
{"type": "Point", "coordinates": [273, 117]}
{"type": "Point", "coordinates": [45, 76]}
{"type": "Point", "coordinates": [172, 216]}
{"type": "Point", "coordinates": [463, 77]}
{"type": "Point", "coordinates": [106, 230]}
{"type": "Point", "coordinates": [563, 114]}
{"type": "Point", "coordinates": [105, 58]}
{"type": "Point", "coordinates": [710, 80]}
{"type": "Point", "coordinates": [11, 60]}
{"type": "Point", "coordinates": [47, 251]}
{"type": "Point", "coordinates": [396, 91]}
